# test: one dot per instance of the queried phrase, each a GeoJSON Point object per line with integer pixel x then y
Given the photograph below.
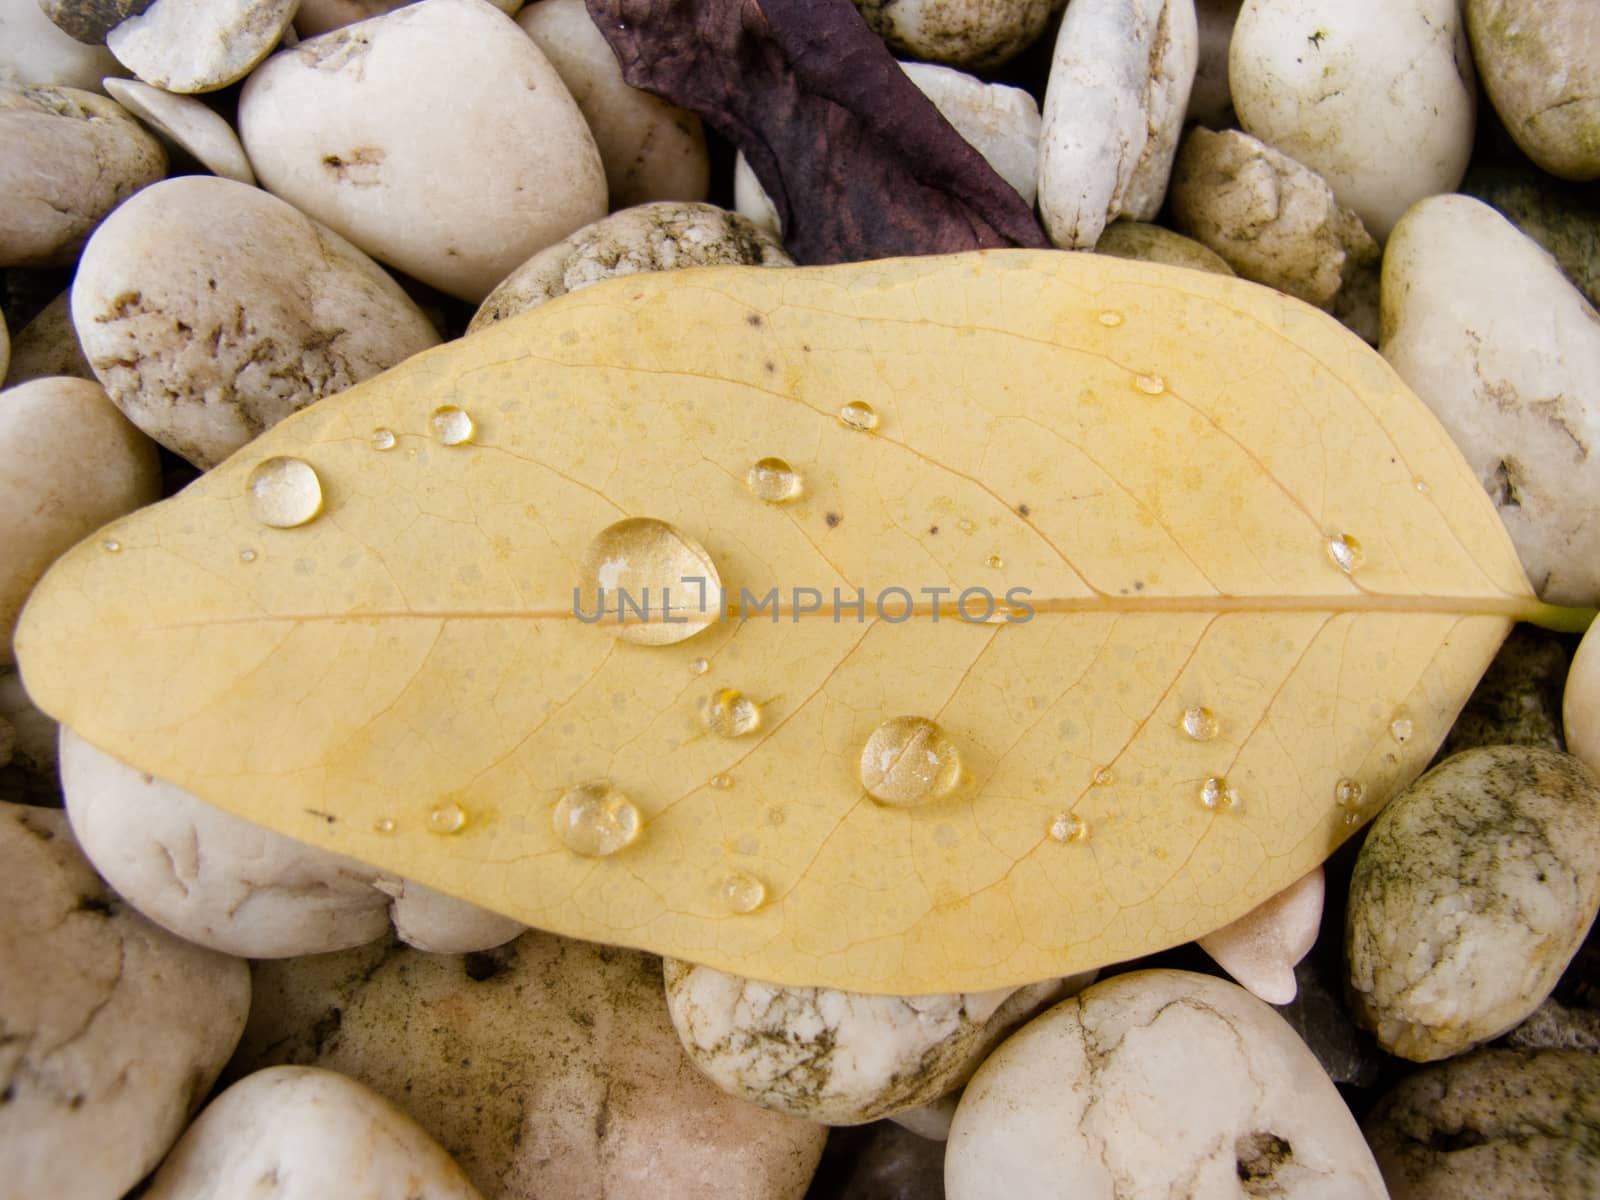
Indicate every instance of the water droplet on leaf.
{"type": "Point", "coordinates": [1110, 318]}
{"type": "Point", "coordinates": [858, 415]}
{"type": "Point", "coordinates": [1068, 827]}
{"type": "Point", "coordinates": [1218, 794]}
{"type": "Point", "coordinates": [1346, 553]}
{"type": "Point", "coordinates": [743, 893]}
{"type": "Point", "coordinates": [722, 782]}
{"type": "Point", "coordinates": [452, 425]}
{"type": "Point", "coordinates": [698, 666]}
{"type": "Point", "coordinates": [729, 713]}
{"type": "Point", "coordinates": [1201, 723]}
{"type": "Point", "coordinates": [247, 555]}
{"type": "Point", "coordinates": [909, 761]}
{"type": "Point", "coordinates": [111, 545]}
{"type": "Point", "coordinates": [1349, 793]}
{"type": "Point", "coordinates": [284, 492]}
{"type": "Point", "coordinates": [773, 481]}
{"type": "Point", "coordinates": [383, 825]}
{"type": "Point", "coordinates": [595, 819]}
{"type": "Point", "coordinates": [383, 439]}
{"type": "Point", "coordinates": [1150, 385]}
{"type": "Point", "coordinates": [1101, 776]}
{"type": "Point", "coordinates": [448, 817]}
{"type": "Point", "coordinates": [1400, 729]}
{"type": "Point", "coordinates": [655, 584]}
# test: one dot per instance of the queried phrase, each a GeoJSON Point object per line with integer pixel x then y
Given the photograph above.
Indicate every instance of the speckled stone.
{"type": "Point", "coordinates": [1156, 243]}
{"type": "Point", "coordinates": [90, 20]}
{"type": "Point", "coordinates": [1472, 892]}
{"type": "Point", "coordinates": [554, 1072]}
{"type": "Point", "coordinates": [961, 33]}
{"type": "Point", "coordinates": [1554, 1026]}
{"type": "Point", "coordinates": [1496, 1125]}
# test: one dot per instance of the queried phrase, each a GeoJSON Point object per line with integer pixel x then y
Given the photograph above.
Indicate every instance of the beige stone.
{"type": "Point", "coordinates": [199, 45]}
{"type": "Point", "coordinates": [962, 33]}
{"type": "Point", "coordinates": [188, 123]}
{"type": "Point", "coordinates": [48, 345]}
{"type": "Point", "coordinates": [1155, 243]}
{"type": "Point", "coordinates": [67, 158]}
{"type": "Point", "coordinates": [211, 310]}
{"type": "Point", "coordinates": [1260, 949]}
{"type": "Point", "coordinates": [114, 1029]}
{"type": "Point", "coordinates": [436, 137]}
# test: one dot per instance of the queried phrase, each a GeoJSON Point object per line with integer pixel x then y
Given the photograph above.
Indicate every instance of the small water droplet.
{"type": "Point", "coordinates": [1349, 793]}
{"type": "Point", "coordinates": [773, 481]}
{"type": "Point", "coordinates": [1200, 723]}
{"type": "Point", "coordinates": [1422, 486]}
{"type": "Point", "coordinates": [383, 825]}
{"type": "Point", "coordinates": [1110, 318]}
{"type": "Point", "coordinates": [247, 555]}
{"type": "Point", "coordinates": [595, 819]}
{"type": "Point", "coordinates": [452, 425]}
{"type": "Point", "coordinates": [1218, 794]}
{"type": "Point", "coordinates": [1069, 827]}
{"type": "Point", "coordinates": [448, 817]}
{"type": "Point", "coordinates": [743, 893]}
{"type": "Point", "coordinates": [908, 761]}
{"type": "Point", "coordinates": [722, 782]}
{"type": "Point", "coordinates": [1150, 385]}
{"type": "Point", "coordinates": [284, 492]}
{"type": "Point", "coordinates": [383, 439]}
{"type": "Point", "coordinates": [729, 713]}
{"type": "Point", "coordinates": [965, 525]}
{"type": "Point", "coordinates": [858, 415]}
{"type": "Point", "coordinates": [1101, 776]}
{"type": "Point", "coordinates": [698, 666]}
{"type": "Point", "coordinates": [1346, 553]}
{"type": "Point", "coordinates": [655, 583]}
{"type": "Point", "coordinates": [1400, 729]}
{"type": "Point", "coordinates": [994, 562]}
{"type": "Point", "coordinates": [111, 545]}
{"type": "Point", "coordinates": [1351, 818]}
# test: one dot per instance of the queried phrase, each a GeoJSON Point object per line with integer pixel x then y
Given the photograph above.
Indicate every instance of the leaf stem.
{"type": "Point", "coordinates": [1558, 618]}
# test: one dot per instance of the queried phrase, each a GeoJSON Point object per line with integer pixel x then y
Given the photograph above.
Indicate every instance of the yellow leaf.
{"type": "Point", "coordinates": [1175, 465]}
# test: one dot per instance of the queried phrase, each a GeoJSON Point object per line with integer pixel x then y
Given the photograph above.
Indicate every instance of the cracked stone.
{"type": "Point", "coordinates": [114, 1029]}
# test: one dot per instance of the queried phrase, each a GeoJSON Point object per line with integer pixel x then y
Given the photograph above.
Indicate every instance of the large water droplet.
{"type": "Point", "coordinates": [1069, 827]}
{"type": "Point", "coordinates": [284, 492]}
{"type": "Point", "coordinates": [1349, 793]}
{"type": "Point", "coordinates": [448, 817]}
{"type": "Point", "coordinates": [909, 761]}
{"type": "Point", "coordinates": [1401, 729]}
{"type": "Point", "coordinates": [595, 819]}
{"type": "Point", "coordinates": [858, 415]}
{"type": "Point", "coordinates": [773, 480]}
{"type": "Point", "coordinates": [1200, 723]}
{"type": "Point", "coordinates": [1346, 553]}
{"type": "Point", "coordinates": [1218, 794]}
{"type": "Point", "coordinates": [655, 583]}
{"type": "Point", "coordinates": [729, 713]}
{"type": "Point", "coordinates": [743, 893]}
{"type": "Point", "coordinates": [383, 439]}
{"type": "Point", "coordinates": [698, 666]}
{"type": "Point", "coordinates": [452, 425]}
{"type": "Point", "coordinates": [1150, 385]}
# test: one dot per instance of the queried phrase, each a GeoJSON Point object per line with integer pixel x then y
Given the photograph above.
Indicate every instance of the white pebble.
{"type": "Point", "coordinates": [1261, 948]}
{"type": "Point", "coordinates": [191, 125]}
{"type": "Point", "coordinates": [199, 45]}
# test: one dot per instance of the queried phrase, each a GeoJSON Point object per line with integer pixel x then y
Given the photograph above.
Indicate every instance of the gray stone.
{"type": "Point", "coordinates": [961, 33]}
{"type": "Point", "coordinates": [89, 21]}
{"type": "Point", "coordinates": [1518, 700]}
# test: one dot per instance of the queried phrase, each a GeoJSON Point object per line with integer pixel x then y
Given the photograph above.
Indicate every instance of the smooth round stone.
{"type": "Point", "coordinates": [1472, 892]}
{"type": "Point", "coordinates": [437, 138]}
{"type": "Point", "coordinates": [211, 310]}
{"type": "Point", "coordinates": [33, 51]}
{"type": "Point", "coordinates": [664, 236]}
{"type": "Point", "coordinates": [1113, 109]}
{"type": "Point", "coordinates": [48, 345]}
{"type": "Point", "coordinates": [114, 1028]}
{"type": "Point", "coordinates": [652, 150]}
{"type": "Point", "coordinates": [842, 1058]}
{"type": "Point", "coordinates": [320, 16]}
{"type": "Point", "coordinates": [199, 45]}
{"type": "Point", "coordinates": [962, 33]}
{"type": "Point", "coordinates": [69, 462]}
{"type": "Point", "coordinates": [1375, 97]}
{"type": "Point", "coordinates": [1262, 948]}
{"type": "Point", "coordinates": [1580, 703]}
{"type": "Point", "coordinates": [1564, 221]}
{"type": "Point", "coordinates": [1540, 62]}
{"type": "Point", "coordinates": [556, 1071]}
{"type": "Point", "coordinates": [1518, 700]}
{"type": "Point", "coordinates": [1148, 1078]}
{"type": "Point", "coordinates": [223, 882]}
{"type": "Point", "coordinates": [67, 158]}
{"type": "Point", "coordinates": [295, 1133]}
{"type": "Point", "coordinates": [1481, 323]}
{"type": "Point", "coordinates": [1274, 221]}
{"type": "Point", "coordinates": [1496, 1125]}
{"type": "Point", "coordinates": [1210, 102]}
{"type": "Point", "coordinates": [1155, 243]}
{"type": "Point", "coordinates": [188, 123]}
